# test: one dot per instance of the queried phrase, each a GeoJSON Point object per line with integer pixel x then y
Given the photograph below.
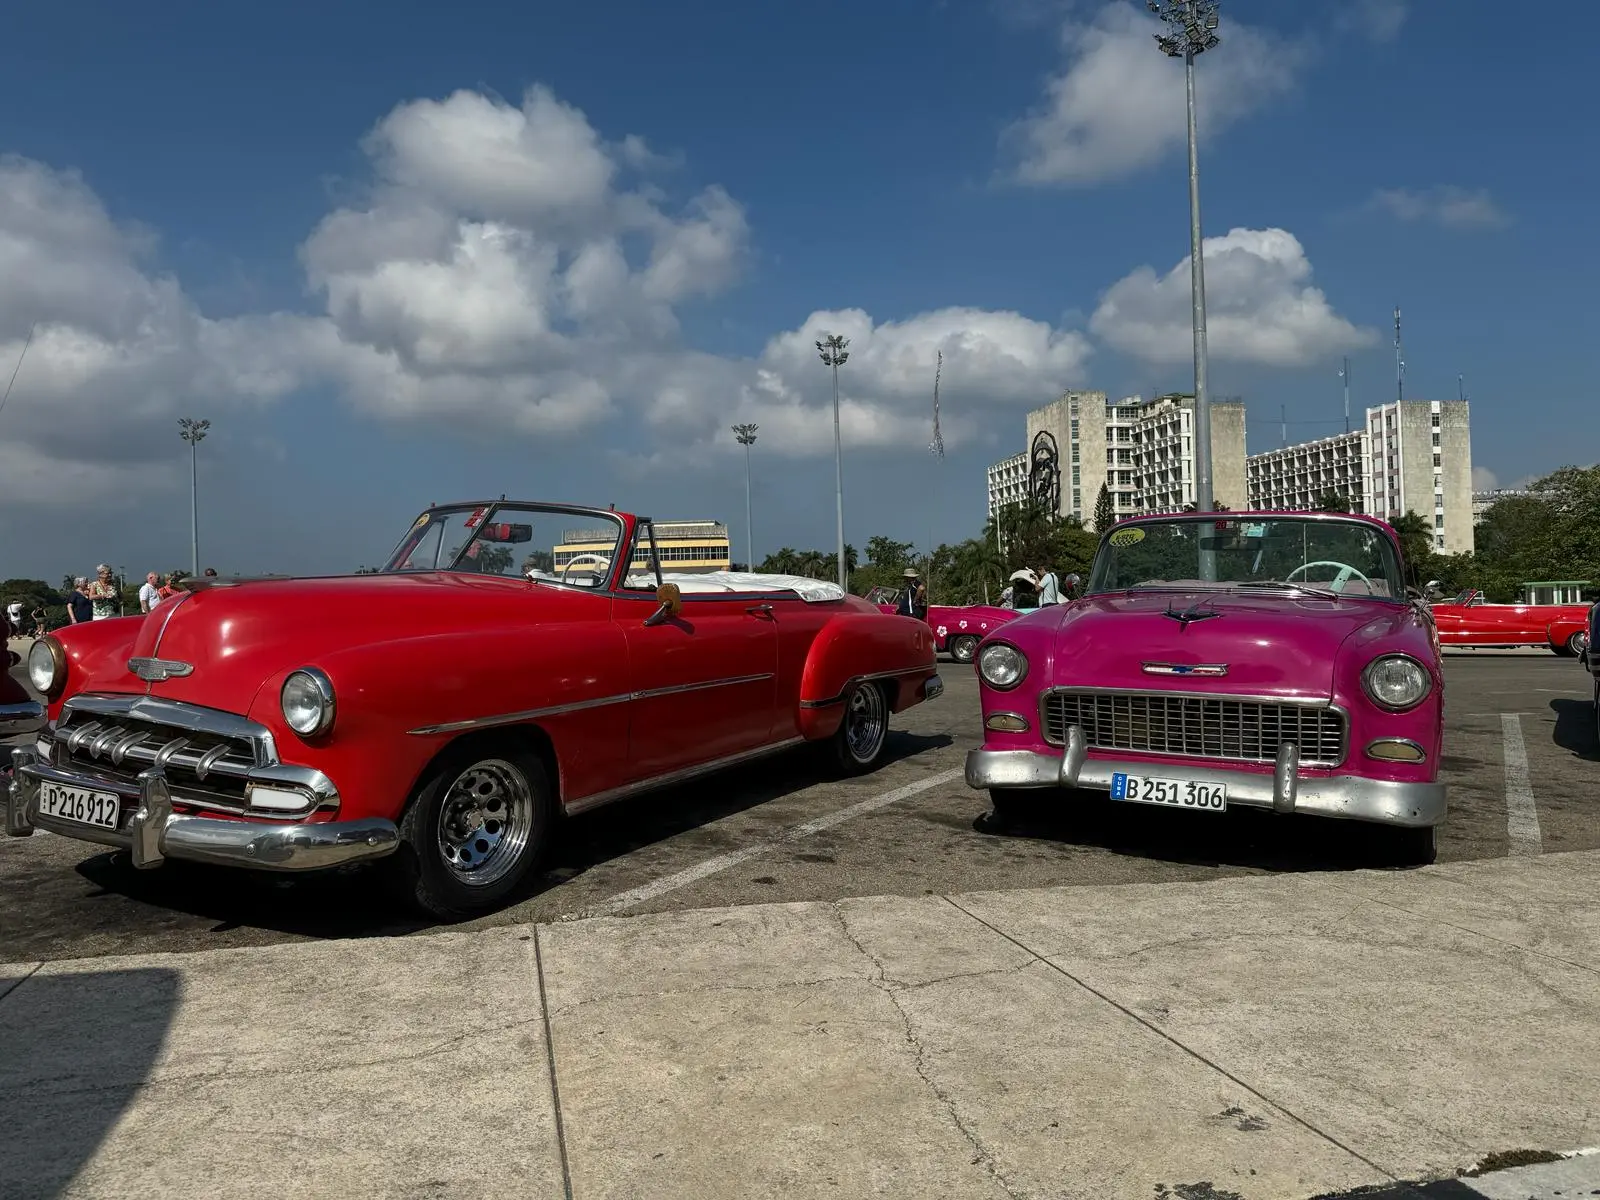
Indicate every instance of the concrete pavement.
{"type": "Point", "coordinates": [1271, 1036]}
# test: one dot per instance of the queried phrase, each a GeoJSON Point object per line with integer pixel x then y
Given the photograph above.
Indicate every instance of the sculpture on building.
{"type": "Point", "coordinates": [1044, 473]}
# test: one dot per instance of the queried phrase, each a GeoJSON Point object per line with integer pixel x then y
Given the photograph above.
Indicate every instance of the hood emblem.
{"type": "Point", "coordinates": [1209, 669]}
{"type": "Point", "coordinates": [1193, 613]}
{"type": "Point", "coordinates": [158, 670]}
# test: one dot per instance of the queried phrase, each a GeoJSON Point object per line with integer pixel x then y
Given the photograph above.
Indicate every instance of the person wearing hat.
{"type": "Point", "coordinates": [913, 601]}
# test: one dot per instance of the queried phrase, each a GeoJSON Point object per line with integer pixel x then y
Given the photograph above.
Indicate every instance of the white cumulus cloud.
{"type": "Point", "coordinates": [1117, 106]}
{"type": "Point", "coordinates": [1260, 306]}
{"type": "Point", "coordinates": [1447, 205]}
{"type": "Point", "coordinates": [116, 351]}
{"type": "Point", "coordinates": [1377, 20]}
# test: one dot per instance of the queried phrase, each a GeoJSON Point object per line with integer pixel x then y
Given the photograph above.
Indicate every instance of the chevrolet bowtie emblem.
{"type": "Point", "coordinates": [1211, 669]}
{"type": "Point", "coordinates": [158, 670]}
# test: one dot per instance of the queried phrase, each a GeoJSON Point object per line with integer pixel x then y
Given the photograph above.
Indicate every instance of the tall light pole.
{"type": "Point", "coordinates": [834, 354]}
{"type": "Point", "coordinates": [194, 432]}
{"type": "Point", "coordinates": [1344, 374]}
{"type": "Point", "coordinates": [747, 438]}
{"type": "Point", "coordinates": [1192, 30]}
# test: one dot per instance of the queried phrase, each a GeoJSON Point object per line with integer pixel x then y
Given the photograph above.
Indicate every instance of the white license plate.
{"type": "Point", "coordinates": [1172, 793]}
{"type": "Point", "coordinates": [79, 804]}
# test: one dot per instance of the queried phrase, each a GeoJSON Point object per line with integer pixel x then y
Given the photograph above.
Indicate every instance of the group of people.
{"type": "Point", "coordinates": [93, 600]}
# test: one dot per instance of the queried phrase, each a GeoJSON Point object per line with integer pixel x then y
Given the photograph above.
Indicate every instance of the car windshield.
{"type": "Point", "coordinates": [1317, 555]}
{"type": "Point", "coordinates": [574, 547]}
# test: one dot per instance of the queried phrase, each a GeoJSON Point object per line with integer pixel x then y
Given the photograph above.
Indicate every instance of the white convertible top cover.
{"type": "Point", "coordinates": [813, 591]}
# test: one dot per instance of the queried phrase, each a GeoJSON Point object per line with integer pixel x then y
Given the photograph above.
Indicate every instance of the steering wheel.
{"type": "Point", "coordinates": [576, 558]}
{"type": "Point", "coordinates": [1345, 572]}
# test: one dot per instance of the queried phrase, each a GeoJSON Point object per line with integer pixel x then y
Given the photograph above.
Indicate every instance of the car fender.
{"type": "Point", "coordinates": [857, 646]}
{"type": "Point", "coordinates": [97, 650]}
{"type": "Point", "coordinates": [1561, 629]}
{"type": "Point", "coordinates": [399, 703]}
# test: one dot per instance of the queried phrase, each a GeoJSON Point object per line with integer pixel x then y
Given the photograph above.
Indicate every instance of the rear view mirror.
{"type": "Point", "coordinates": [505, 532]}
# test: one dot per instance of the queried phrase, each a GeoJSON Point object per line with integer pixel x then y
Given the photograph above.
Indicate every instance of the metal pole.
{"type": "Point", "coordinates": [1197, 287]}
{"type": "Point", "coordinates": [1345, 375]}
{"type": "Point", "coordinates": [838, 478]}
{"type": "Point", "coordinates": [749, 529]}
{"type": "Point", "coordinates": [194, 505]}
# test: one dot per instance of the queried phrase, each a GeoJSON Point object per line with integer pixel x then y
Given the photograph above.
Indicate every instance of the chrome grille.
{"type": "Point", "coordinates": [206, 767]}
{"type": "Point", "coordinates": [1214, 727]}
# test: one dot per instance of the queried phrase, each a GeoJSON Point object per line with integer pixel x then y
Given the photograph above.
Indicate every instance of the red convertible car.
{"type": "Point", "coordinates": [448, 709]}
{"type": "Point", "coordinates": [957, 629]}
{"type": "Point", "coordinates": [1471, 620]}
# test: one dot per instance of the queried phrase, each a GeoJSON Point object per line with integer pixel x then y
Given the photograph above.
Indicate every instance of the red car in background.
{"type": "Point", "coordinates": [446, 711]}
{"type": "Point", "coordinates": [1471, 620]}
{"type": "Point", "coordinates": [957, 628]}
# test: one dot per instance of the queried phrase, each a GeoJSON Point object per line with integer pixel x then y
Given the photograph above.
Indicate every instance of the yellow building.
{"type": "Point", "coordinates": [680, 545]}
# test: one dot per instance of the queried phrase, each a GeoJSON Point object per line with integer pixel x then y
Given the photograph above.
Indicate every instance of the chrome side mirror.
{"type": "Point", "coordinates": [669, 597]}
{"type": "Point", "coordinates": [1072, 583]}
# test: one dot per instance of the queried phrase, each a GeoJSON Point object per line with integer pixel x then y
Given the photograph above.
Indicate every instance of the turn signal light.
{"type": "Point", "coordinates": [1396, 750]}
{"type": "Point", "coordinates": [1006, 722]}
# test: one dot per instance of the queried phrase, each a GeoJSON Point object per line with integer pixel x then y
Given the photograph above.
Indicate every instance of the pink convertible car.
{"type": "Point", "coordinates": [1262, 660]}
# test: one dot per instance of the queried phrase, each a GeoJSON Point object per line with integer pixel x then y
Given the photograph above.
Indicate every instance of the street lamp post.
{"type": "Point", "coordinates": [1192, 30]}
{"type": "Point", "coordinates": [194, 432]}
{"type": "Point", "coordinates": [747, 437]}
{"type": "Point", "coordinates": [834, 355]}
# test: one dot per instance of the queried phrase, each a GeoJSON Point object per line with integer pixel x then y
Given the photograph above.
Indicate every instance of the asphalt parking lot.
{"type": "Point", "coordinates": [783, 830]}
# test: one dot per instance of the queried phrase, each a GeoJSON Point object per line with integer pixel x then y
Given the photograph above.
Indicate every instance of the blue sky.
{"type": "Point", "coordinates": [390, 272]}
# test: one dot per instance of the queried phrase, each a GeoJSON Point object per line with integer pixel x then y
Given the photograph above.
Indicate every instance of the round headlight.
{"type": "Point", "coordinates": [1397, 682]}
{"type": "Point", "coordinates": [47, 666]}
{"type": "Point", "coordinates": [1002, 666]}
{"type": "Point", "coordinates": [307, 700]}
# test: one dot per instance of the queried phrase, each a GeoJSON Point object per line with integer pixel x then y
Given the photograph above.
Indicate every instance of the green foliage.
{"type": "Point", "coordinates": [1105, 514]}
{"type": "Point", "coordinates": [1333, 502]}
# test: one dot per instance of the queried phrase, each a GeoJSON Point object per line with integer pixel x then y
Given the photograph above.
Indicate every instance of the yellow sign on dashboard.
{"type": "Point", "coordinates": [1127, 537]}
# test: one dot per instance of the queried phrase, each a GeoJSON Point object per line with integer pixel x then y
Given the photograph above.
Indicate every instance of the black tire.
{"type": "Point", "coordinates": [857, 746]}
{"type": "Point", "coordinates": [964, 648]}
{"type": "Point", "coordinates": [1411, 846]}
{"type": "Point", "coordinates": [475, 830]}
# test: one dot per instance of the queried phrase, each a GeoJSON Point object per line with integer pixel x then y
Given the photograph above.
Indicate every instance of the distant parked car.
{"type": "Point", "coordinates": [1263, 660]}
{"type": "Point", "coordinates": [1470, 619]}
{"type": "Point", "coordinates": [448, 709]}
{"type": "Point", "coordinates": [957, 628]}
{"type": "Point", "coordinates": [18, 710]}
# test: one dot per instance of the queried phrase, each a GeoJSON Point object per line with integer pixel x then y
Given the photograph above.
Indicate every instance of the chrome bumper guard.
{"type": "Point", "coordinates": [932, 688]}
{"type": "Point", "coordinates": [1285, 790]}
{"type": "Point", "coordinates": [156, 833]}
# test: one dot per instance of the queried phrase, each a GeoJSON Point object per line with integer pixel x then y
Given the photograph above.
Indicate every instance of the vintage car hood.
{"type": "Point", "coordinates": [1271, 645]}
{"type": "Point", "coordinates": [234, 637]}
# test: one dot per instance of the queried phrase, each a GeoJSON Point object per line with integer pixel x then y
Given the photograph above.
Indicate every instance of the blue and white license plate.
{"type": "Point", "coordinates": [1171, 793]}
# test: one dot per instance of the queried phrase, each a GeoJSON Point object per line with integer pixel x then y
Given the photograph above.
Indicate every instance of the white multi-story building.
{"type": "Point", "coordinates": [1008, 483]}
{"type": "Point", "coordinates": [1301, 477]}
{"type": "Point", "coordinates": [1141, 451]}
{"type": "Point", "coordinates": [1419, 459]}
{"type": "Point", "coordinates": [1409, 456]}
{"type": "Point", "coordinates": [1483, 501]}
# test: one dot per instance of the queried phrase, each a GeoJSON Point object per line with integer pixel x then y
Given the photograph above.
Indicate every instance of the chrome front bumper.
{"type": "Point", "coordinates": [1285, 790]}
{"type": "Point", "coordinates": [156, 833]}
{"type": "Point", "coordinates": [21, 713]}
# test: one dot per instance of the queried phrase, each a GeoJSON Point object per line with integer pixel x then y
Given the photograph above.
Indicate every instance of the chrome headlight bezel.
{"type": "Point", "coordinates": [998, 649]}
{"type": "Point", "coordinates": [1422, 675]}
{"type": "Point", "coordinates": [47, 652]}
{"type": "Point", "coordinates": [312, 701]}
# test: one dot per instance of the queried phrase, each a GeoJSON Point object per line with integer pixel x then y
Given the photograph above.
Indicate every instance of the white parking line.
{"type": "Point", "coordinates": [1522, 814]}
{"type": "Point", "coordinates": [721, 862]}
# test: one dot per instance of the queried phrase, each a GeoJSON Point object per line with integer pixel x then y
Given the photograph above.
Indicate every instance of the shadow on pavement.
{"type": "Point", "coordinates": [1575, 728]}
{"type": "Point", "coordinates": [74, 1051]}
{"type": "Point", "coordinates": [354, 901]}
{"type": "Point", "coordinates": [1241, 837]}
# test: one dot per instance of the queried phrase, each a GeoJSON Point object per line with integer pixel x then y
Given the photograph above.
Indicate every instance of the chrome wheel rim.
{"type": "Point", "coordinates": [964, 649]}
{"type": "Point", "coordinates": [485, 822]}
{"type": "Point", "coordinates": [1579, 642]}
{"type": "Point", "coordinates": [864, 723]}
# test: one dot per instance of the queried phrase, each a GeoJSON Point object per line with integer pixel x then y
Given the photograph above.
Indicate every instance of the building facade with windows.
{"type": "Point", "coordinates": [680, 546]}
{"type": "Point", "coordinates": [1299, 477]}
{"type": "Point", "coordinates": [1141, 451]}
{"type": "Point", "coordinates": [1483, 501]}
{"type": "Point", "coordinates": [1419, 459]}
{"type": "Point", "coordinates": [1008, 482]}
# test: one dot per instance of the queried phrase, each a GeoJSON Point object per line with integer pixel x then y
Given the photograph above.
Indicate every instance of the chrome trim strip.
{"type": "Point", "coordinates": [177, 603]}
{"type": "Point", "coordinates": [855, 679]}
{"type": "Point", "coordinates": [585, 803]}
{"type": "Point", "coordinates": [1184, 670]}
{"type": "Point", "coordinates": [557, 710]}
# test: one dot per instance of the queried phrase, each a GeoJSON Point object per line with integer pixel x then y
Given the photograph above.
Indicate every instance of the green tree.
{"type": "Point", "coordinates": [1333, 502]}
{"type": "Point", "coordinates": [1105, 513]}
{"type": "Point", "coordinates": [1416, 545]}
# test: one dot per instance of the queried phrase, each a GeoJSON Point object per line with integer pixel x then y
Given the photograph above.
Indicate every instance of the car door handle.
{"type": "Point", "coordinates": [760, 609]}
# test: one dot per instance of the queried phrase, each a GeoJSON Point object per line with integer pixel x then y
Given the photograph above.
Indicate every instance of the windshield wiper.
{"type": "Point", "coordinates": [1285, 585]}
